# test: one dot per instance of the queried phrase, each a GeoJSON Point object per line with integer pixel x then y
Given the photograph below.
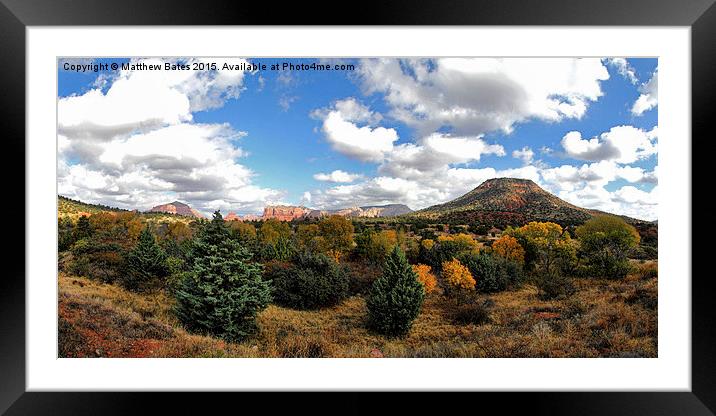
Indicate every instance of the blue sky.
{"type": "Point", "coordinates": [419, 132]}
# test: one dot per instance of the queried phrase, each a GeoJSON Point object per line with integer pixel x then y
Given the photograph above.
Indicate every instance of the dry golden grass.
{"type": "Point", "coordinates": [602, 319]}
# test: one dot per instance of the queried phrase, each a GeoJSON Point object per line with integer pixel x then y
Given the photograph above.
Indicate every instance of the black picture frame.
{"type": "Point", "coordinates": [16, 15]}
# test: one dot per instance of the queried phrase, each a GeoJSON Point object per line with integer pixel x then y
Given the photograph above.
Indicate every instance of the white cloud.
{"type": "Point", "coordinates": [286, 100]}
{"type": "Point", "coordinates": [624, 68]}
{"type": "Point", "coordinates": [649, 97]}
{"type": "Point", "coordinates": [434, 153]}
{"type": "Point", "coordinates": [627, 200]}
{"type": "Point", "coordinates": [475, 96]}
{"type": "Point", "coordinates": [338, 176]}
{"type": "Point", "coordinates": [623, 144]}
{"type": "Point", "coordinates": [306, 198]}
{"type": "Point", "coordinates": [136, 145]}
{"type": "Point", "coordinates": [341, 130]}
{"type": "Point", "coordinates": [525, 155]}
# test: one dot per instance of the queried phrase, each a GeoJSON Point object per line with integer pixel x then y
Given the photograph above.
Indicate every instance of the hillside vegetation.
{"type": "Point", "coordinates": [133, 285]}
{"type": "Point", "coordinates": [603, 319]}
{"type": "Point", "coordinates": [72, 209]}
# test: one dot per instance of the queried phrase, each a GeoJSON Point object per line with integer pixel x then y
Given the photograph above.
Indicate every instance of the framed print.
{"type": "Point", "coordinates": [470, 199]}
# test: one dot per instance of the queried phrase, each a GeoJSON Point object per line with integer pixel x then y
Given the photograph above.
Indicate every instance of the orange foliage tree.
{"type": "Point", "coordinates": [509, 248]}
{"type": "Point", "coordinates": [426, 277]}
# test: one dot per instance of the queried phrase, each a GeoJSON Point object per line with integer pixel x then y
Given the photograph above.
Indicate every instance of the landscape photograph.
{"type": "Point", "coordinates": [214, 207]}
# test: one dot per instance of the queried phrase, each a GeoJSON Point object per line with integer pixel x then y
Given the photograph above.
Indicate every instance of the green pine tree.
{"type": "Point", "coordinates": [83, 228]}
{"type": "Point", "coordinates": [396, 297]}
{"type": "Point", "coordinates": [146, 263]}
{"type": "Point", "coordinates": [224, 291]}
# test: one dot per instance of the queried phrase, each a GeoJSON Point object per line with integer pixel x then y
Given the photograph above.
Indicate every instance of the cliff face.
{"type": "Point", "coordinates": [288, 213]}
{"type": "Point", "coordinates": [390, 210]}
{"type": "Point", "coordinates": [367, 212]}
{"type": "Point", "coordinates": [232, 216]}
{"type": "Point", "coordinates": [177, 208]}
{"type": "Point", "coordinates": [284, 212]}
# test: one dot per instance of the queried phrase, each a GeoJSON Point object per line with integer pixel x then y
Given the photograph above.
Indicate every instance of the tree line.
{"type": "Point", "coordinates": [222, 274]}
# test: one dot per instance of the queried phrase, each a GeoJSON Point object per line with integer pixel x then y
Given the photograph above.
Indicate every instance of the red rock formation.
{"type": "Point", "coordinates": [177, 208]}
{"type": "Point", "coordinates": [284, 212]}
{"type": "Point", "coordinates": [231, 216]}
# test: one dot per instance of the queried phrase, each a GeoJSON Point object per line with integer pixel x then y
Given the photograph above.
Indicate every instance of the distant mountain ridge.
{"type": "Point", "coordinates": [496, 202]}
{"type": "Point", "coordinates": [69, 206]}
{"type": "Point", "coordinates": [370, 211]}
{"type": "Point", "coordinates": [290, 212]}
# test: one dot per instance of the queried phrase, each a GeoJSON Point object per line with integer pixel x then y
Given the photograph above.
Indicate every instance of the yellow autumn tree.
{"type": "Point", "coordinates": [465, 242]}
{"type": "Point", "coordinates": [427, 243]}
{"type": "Point", "coordinates": [544, 230]}
{"type": "Point", "coordinates": [337, 233]}
{"type": "Point", "coordinates": [426, 277]}
{"type": "Point", "coordinates": [309, 237]}
{"type": "Point", "coordinates": [457, 277]}
{"type": "Point", "coordinates": [509, 248]}
{"type": "Point", "coordinates": [553, 250]}
{"type": "Point", "coordinates": [243, 231]}
{"type": "Point", "coordinates": [273, 230]}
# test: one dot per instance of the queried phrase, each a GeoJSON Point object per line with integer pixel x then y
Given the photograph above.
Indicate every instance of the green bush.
{"type": "Point", "coordinates": [605, 241]}
{"type": "Point", "coordinates": [312, 281]}
{"type": "Point", "coordinates": [492, 273]}
{"type": "Point", "coordinates": [97, 260]}
{"type": "Point", "coordinates": [65, 234]}
{"type": "Point", "coordinates": [441, 252]}
{"type": "Point", "coordinates": [643, 252]}
{"type": "Point", "coordinates": [282, 250]}
{"type": "Point", "coordinates": [395, 298]}
{"type": "Point", "coordinates": [224, 290]}
{"type": "Point", "coordinates": [553, 286]}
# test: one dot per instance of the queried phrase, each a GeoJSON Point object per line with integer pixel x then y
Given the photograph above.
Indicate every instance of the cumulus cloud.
{"type": "Point", "coordinates": [475, 96]}
{"type": "Point", "coordinates": [627, 200]}
{"type": "Point", "coordinates": [623, 144]}
{"type": "Point", "coordinates": [525, 155]}
{"type": "Point", "coordinates": [338, 176]}
{"type": "Point", "coordinates": [624, 69]}
{"type": "Point", "coordinates": [435, 153]}
{"type": "Point", "coordinates": [569, 177]}
{"type": "Point", "coordinates": [415, 173]}
{"type": "Point", "coordinates": [341, 129]}
{"type": "Point", "coordinates": [306, 198]}
{"type": "Point", "coordinates": [649, 96]}
{"type": "Point", "coordinates": [286, 101]}
{"type": "Point", "coordinates": [136, 145]}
